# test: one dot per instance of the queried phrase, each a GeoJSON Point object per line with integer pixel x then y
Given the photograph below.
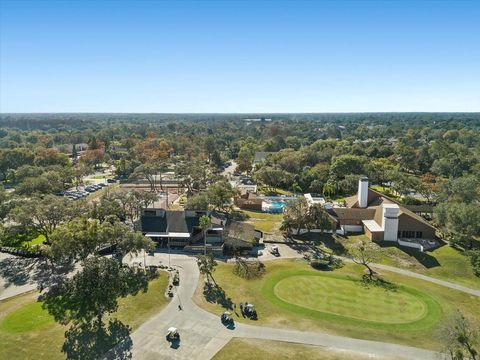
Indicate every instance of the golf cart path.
{"type": "Point", "coordinates": [448, 284]}
{"type": "Point", "coordinates": [202, 334]}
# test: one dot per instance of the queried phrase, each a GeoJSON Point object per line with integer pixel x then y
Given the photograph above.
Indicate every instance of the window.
{"type": "Point", "coordinates": [419, 234]}
{"type": "Point", "coordinates": [408, 234]}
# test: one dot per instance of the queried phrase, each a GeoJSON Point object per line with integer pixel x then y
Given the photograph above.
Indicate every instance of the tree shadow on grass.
{"type": "Point", "coordinates": [91, 341]}
{"type": "Point", "coordinates": [215, 294]}
{"type": "Point", "coordinates": [20, 271]}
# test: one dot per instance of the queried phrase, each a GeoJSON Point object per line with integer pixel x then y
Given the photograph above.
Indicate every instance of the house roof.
{"type": "Point", "coordinates": [375, 199]}
{"type": "Point", "coordinates": [172, 222]}
{"type": "Point", "coordinates": [153, 224]}
{"type": "Point", "coordinates": [242, 231]}
{"type": "Point", "coordinates": [237, 243]}
{"type": "Point", "coordinates": [353, 213]}
{"type": "Point", "coordinates": [177, 222]}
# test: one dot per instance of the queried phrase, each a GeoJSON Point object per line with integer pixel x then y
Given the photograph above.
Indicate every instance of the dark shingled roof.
{"type": "Point", "coordinates": [353, 213]}
{"type": "Point", "coordinates": [177, 222]}
{"type": "Point", "coordinates": [153, 224]}
{"type": "Point", "coordinates": [174, 221]}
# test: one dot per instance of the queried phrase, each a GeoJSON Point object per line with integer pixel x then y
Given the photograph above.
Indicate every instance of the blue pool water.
{"type": "Point", "coordinates": [275, 207]}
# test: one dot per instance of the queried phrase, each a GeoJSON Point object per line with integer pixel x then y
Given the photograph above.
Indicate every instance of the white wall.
{"type": "Point", "coordinates": [351, 228]}
{"type": "Point", "coordinates": [390, 222]}
{"type": "Point", "coordinates": [409, 244]}
{"type": "Point", "coordinates": [363, 192]}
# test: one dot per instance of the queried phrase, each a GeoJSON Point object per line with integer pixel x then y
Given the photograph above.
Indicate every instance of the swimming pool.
{"type": "Point", "coordinates": [275, 204]}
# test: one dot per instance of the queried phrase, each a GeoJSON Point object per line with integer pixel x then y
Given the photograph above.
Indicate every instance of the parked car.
{"type": "Point", "coordinates": [111, 181]}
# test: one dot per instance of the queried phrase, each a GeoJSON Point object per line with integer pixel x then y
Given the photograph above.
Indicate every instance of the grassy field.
{"type": "Point", "coordinates": [349, 311]}
{"type": "Point", "coordinates": [445, 263]}
{"type": "Point", "coordinates": [351, 299]}
{"type": "Point", "coordinates": [264, 221]}
{"type": "Point", "coordinates": [246, 349]}
{"type": "Point", "coordinates": [29, 332]}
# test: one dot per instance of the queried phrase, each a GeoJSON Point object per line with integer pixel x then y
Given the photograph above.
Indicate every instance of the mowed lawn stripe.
{"type": "Point", "coordinates": [349, 307]}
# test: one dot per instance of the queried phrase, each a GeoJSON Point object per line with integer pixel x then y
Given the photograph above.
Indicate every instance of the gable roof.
{"type": "Point", "coordinates": [172, 222]}
{"type": "Point", "coordinates": [153, 224]}
{"type": "Point", "coordinates": [353, 213]}
{"type": "Point", "coordinates": [375, 199]}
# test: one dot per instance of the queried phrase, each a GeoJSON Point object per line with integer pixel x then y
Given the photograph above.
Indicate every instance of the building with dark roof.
{"type": "Point", "coordinates": [178, 228]}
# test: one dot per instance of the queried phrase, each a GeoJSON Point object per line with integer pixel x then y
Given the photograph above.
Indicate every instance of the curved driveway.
{"type": "Point", "coordinates": [203, 335]}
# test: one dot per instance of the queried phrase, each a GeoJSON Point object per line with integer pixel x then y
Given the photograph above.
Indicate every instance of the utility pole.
{"type": "Point", "coordinates": [168, 243]}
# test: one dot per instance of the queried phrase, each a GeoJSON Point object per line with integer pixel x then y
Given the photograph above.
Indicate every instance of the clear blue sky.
{"type": "Point", "coordinates": [227, 56]}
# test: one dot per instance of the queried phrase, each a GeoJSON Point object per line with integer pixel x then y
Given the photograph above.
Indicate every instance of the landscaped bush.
{"type": "Point", "coordinates": [320, 264]}
{"type": "Point", "coordinates": [248, 269]}
{"type": "Point", "coordinates": [327, 264]}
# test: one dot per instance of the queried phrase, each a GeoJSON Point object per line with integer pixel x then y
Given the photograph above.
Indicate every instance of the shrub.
{"type": "Point", "coordinates": [248, 269]}
{"type": "Point", "coordinates": [329, 264]}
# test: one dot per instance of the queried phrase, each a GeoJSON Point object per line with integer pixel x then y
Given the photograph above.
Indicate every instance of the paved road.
{"type": "Point", "coordinates": [203, 335]}
{"type": "Point", "coordinates": [430, 279]}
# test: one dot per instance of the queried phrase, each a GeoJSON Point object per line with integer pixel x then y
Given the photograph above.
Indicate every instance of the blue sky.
{"type": "Point", "coordinates": [245, 56]}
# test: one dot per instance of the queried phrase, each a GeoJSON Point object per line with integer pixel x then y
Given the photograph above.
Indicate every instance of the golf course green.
{"type": "Point", "coordinates": [342, 298]}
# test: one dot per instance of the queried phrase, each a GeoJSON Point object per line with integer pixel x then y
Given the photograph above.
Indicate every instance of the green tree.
{"type": "Point", "coordinates": [205, 224]}
{"type": "Point", "coordinates": [93, 292]}
{"type": "Point", "coordinates": [206, 265]}
{"type": "Point", "coordinates": [365, 253]}
{"type": "Point", "coordinates": [43, 215]}
{"type": "Point", "coordinates": [461, 339]}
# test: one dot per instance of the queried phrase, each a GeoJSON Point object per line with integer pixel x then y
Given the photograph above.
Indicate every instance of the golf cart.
{"type": "Point", "coordinates": [250, 311]}
{"type": "Point", "coordinates": [226, 318]}
{"type": "Point", "coordinates": [172, 334]}
{"type": "Point", "coordinates": [274, 250]}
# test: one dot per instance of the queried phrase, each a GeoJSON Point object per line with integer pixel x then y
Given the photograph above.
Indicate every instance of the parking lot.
{"type": "Point", "coordinates": [82, 192]}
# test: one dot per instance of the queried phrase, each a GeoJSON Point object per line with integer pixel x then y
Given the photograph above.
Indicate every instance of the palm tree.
{"type": "Point", "coordinates": [205, 223]}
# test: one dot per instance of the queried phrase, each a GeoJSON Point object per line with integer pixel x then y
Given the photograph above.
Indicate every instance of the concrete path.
{"type": "Point", "coordinates": [450, 285]}
{"type": "Point", "coordinates": [203, 335]}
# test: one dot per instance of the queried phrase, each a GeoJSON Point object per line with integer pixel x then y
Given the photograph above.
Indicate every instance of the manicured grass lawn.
{"type": "Point", "coordinates": [275, 191]}
{"type": "Point", "coordinates": [264, 221]}
{"type": "Point", "coordinates": [246, 349]}
{"type": "Point", "coordinates": [351, 299]}
{"type": "Point", "coordinates": [337, 303]}
{"type": "Point", "coordinates": [29, 332]}
{"type": "Point", "coordinates": [445, 263]}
